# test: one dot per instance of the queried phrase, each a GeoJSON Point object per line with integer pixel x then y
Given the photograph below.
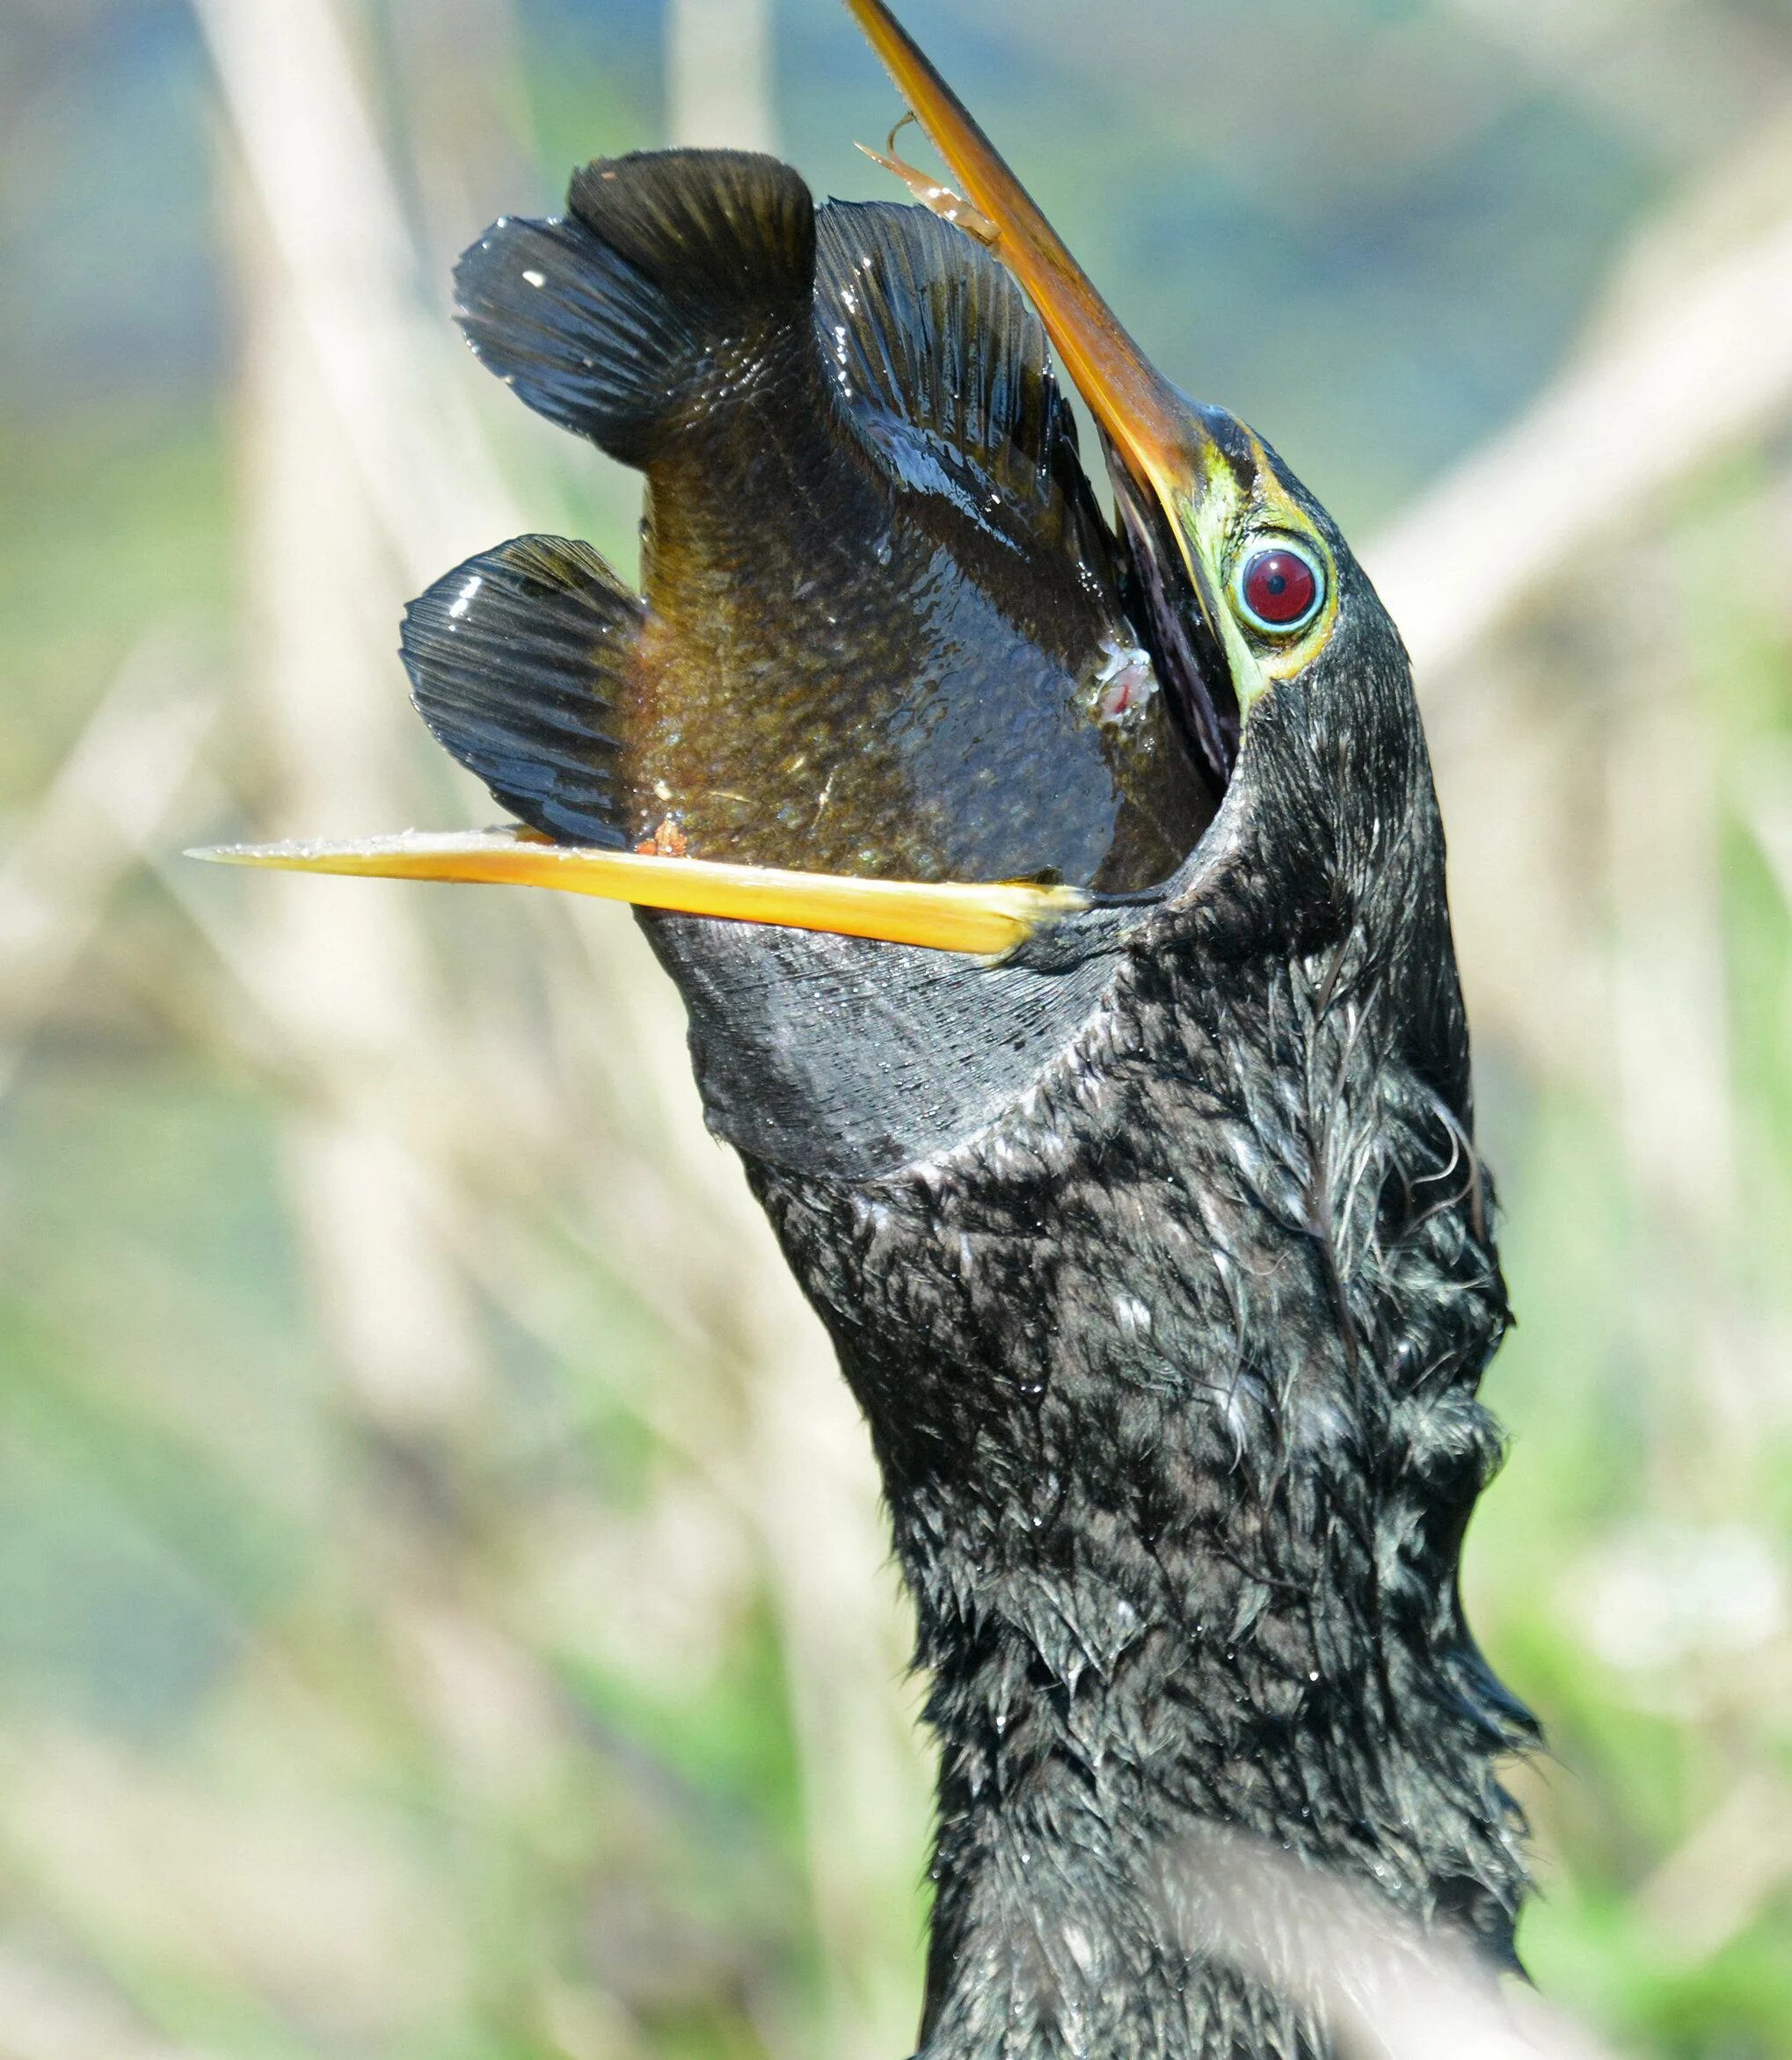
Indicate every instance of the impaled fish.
{"type": "Point", "coordinates": [882, 631]}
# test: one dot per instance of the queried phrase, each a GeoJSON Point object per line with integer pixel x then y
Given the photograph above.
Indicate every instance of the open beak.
{"type": "Point", "coordinates": [1162, 455]}
{"type": "Point", "coordinates": [1159, 437]}
{"type": "Point", "coordinates": [988, 921]}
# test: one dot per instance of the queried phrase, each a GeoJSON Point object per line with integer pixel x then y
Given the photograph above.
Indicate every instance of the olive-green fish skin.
{"type": "Point", "coordinates": [882, 631]}
{"type": "Point", "coordinates": [847, 674]}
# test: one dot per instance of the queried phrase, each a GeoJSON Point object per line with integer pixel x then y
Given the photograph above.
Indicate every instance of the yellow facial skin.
{"type": "Point", "coordinates": [1220, 525]}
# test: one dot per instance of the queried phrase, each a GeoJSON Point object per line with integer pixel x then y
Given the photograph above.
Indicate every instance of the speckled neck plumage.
{"type": "Point", "coordinates": [1171, 1372]}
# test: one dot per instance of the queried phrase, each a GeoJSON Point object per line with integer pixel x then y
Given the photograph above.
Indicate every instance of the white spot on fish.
{"type": "Point", "coordinates": [463, 600]}
{"type": "Point", "coordinates": [536, 278]}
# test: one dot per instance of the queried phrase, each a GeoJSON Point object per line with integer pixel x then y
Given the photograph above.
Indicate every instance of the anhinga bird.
{"type": "Point", "coordinates": [1156, 1250]}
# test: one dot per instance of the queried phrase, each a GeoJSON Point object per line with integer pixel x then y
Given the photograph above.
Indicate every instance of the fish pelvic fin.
{"type": "Point", "coordinates": [676, 276]}
{"type": "Point", "coordinates": [518, 662]}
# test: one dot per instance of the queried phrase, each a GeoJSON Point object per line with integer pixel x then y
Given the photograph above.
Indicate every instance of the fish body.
{"type": "Point", "coordinates": [882, 629]}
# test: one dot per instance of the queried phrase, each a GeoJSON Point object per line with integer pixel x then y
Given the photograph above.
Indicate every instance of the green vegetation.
{"type": "Point", "coordinates": [442, 1608]}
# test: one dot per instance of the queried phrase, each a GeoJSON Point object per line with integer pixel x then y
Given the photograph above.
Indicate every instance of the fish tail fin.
{"type": "Point", "coordinates": [518, 659]}
{"type": "Point", "coordinates": [675, 275]}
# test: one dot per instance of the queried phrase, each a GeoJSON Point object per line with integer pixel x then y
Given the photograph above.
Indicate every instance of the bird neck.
{"type": "Point", "coordinates": [1171, 1373]}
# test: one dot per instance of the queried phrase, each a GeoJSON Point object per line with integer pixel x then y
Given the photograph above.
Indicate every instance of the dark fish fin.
{"type": "Point", "coordinates": [516, 660]}
{"type": "Point", "coordinates": [670, 274]}
{"type": "Point", "coordinates": [937, 354]}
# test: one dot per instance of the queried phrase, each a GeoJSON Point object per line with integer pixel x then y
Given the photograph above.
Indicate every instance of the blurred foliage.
{"type": "Point", "coordinates": [441, 1603]}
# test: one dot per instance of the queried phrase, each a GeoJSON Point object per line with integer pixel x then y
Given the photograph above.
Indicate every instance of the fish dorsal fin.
{"type": "Point", "coordinates": [942, 363]}
{"type": "Point", "coordinates": [517, 660]}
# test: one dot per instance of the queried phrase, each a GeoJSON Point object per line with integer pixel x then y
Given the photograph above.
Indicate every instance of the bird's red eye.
{"type": "Point", "coordinates": [1280, 590]}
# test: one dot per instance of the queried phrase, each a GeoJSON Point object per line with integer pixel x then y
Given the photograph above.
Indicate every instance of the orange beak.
{"type": "Point", "coordinates": [1144, 417]}
{"type": "Point", "coordinates": [988, 921]}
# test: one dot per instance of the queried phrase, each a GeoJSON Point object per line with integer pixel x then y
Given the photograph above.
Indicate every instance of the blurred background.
{"type": "Point", "coordinates": [443, 1607]}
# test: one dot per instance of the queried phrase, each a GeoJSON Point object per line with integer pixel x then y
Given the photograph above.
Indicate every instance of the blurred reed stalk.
{"type": "Point", "coordinates": [1383, 1988]}
{"type": "Point", "coordinates": [357, 480]}
{"type": "Point", "coordinates": [358, 472]}
{"type": "Point", "coordinates": [346, 974]}
{"type": "Point", "coordinates": [718, 74]}
{"type": "Point", "coordinates": [132, 778]}
{"type": "Point", "coordinates": [815, 1488]}
{"type": "Point", "coordinates": [1704, 369]}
